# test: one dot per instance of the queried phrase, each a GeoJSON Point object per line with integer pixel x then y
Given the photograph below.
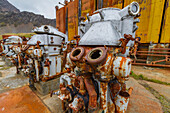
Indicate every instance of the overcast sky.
{"type": "Point", "coordinates": [43, 7]}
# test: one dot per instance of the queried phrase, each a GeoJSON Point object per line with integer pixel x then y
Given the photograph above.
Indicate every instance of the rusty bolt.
{"type": "Point", "coordinates": [82, 18]}
{"type": "Point", "coordinates": [76, 36]}
{"type": "Point", "coordinates": [138, 15]}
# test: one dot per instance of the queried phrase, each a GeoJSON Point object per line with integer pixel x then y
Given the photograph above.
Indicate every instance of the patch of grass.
{"type": "Point", "coordinates": [0, 37]}
{"type": "Point", "coordinates": [1, 65]}
{"type": "Point", "coordinates": [164, 102]}
{"type": "Point", "coordinates": [19, 34]}
{"type": "Point", "coordinates": [141, 77]}
{"type": "Point", "coordinates": [5, 68]}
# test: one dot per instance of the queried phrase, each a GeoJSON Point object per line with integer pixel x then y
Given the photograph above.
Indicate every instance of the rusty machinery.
{"type": "Point", "coordinates": [12, 52]}
{"type": "Point", "coordinates": [44, 54]}
{"type": "Point", "coordinates": [11, 47]}
{"type": "Point", "coordinates": [99, 65]}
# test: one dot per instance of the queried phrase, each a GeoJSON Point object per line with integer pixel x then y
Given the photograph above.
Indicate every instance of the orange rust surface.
{"type": "Point", "coordinates": [112, 3]}
{"type": "Point", "coordinates": [115, 87]}
{"type": "Point", "coordinates": [21, 100]}
{"type": "Point", "coordinates": [92, 93]}
{"type": "Point", "coordinates": [87, 7]}
{"type": "Point", "coordinates": [103, 87]}
{"type": "Point", "coordinates": [60, 19]}
{"type": "Point", "coordinates": [72, 19]}
{"type": "Point", "coordinates": [6, 36]}
{"type": "Point", "coordinates": [123, 61]}
{"type": "Point", "coordinates": [111, 108]}
{"type": "Point", "coordinates": [106, 3]}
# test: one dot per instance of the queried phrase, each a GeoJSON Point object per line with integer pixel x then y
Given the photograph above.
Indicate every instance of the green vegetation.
{"type": "Point", "coordinates": [19, 34]}
{"type": "Point", "coordinates": [141, 77]}
{"type": "Point", "coordinates": [5, 68]}
{"type": "Point", "coordinates": [2, 24]}
{"type": "Point", "coordinates": [164, 102]}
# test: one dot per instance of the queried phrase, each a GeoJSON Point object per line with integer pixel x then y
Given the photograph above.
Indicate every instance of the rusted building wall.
{"type": "Point", "coordinates": [72, 19]}
{"type": "Point", "coordinates": [150, 24]}
{"type": "Point", "coordinates": [112, 3]}
{"type": "Point", "coordinates": [165, 36]}
{"type": "Point", "coordinates": [117, 3]}
{"type": "Point", "coordinates": [60, 19]}
{"type": "Point", "coordinates": [107, 3]}
{"type": "Point", "coordinates": [88, 6]}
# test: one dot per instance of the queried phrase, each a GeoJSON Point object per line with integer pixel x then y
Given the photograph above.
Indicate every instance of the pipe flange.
{"type": "Point", "coordinates": [77, 53]}
{"type": "Point", "coordinates": [134, 8]}
{"type": "Point", "coordinates": [96, 55]}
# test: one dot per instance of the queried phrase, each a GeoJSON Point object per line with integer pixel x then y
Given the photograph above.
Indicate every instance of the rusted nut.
{"type": "Point", "coordinates": [38, 42]}
{"type": "Point", "coordinates": [76, 36]}
{"type": "Point", "coordinates": [137, 40]}
{"type": "Point", "coordinates": [96, 55]}
{"type": "Point", "coordinates": [129, 37]}
{"type": "Point", "coordinates": [77, 53]}
{"type": "Point", "coordinates": [82, 18]}
{"type": "Point", "coordinates": [138, 15]}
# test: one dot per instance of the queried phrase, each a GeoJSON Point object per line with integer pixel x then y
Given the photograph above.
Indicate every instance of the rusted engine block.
{"type": "Point", "coordinates": [100, 65]}
{"type": "Point", "coordinates": [11, 48]}
{"type": "Point", "coordinates": [44, 54]}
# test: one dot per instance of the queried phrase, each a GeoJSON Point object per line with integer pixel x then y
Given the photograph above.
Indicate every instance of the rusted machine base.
{"type": "Point", "coordinates": [21, 100]}
{"type": "Point", "coordinates": [44, 88]}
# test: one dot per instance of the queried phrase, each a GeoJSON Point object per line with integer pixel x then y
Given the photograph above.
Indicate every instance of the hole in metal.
{"type": "Point", "coordinates": [95, 54]}
{"type": "Point", "coordinates": [124, 94]}
{"type": "Point", "coordinates": [134, 8]}
{"type": "Point", "coordinates": [45, 27]}
{"type": "Point", "coordinates": [76, 52]}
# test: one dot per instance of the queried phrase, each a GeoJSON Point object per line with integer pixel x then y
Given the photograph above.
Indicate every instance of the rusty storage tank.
{"type": "Point", "coordinates": [99, 66]}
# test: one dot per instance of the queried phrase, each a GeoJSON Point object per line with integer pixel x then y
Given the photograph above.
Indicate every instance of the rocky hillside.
{"type": "Point", "coordinates": [16, 19]}
{"type": "Point", "coordinates": [5, 6]}
{"type": "Point", "coordinates": [11, 17]}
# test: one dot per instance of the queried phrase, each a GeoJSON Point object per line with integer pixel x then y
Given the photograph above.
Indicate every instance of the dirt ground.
{"type": "Point", "coordinates": [141, 100]}
{"type": "Point", "coordinates": [21, 100]}
{"type": "Point", "coordinates": [162, 74]}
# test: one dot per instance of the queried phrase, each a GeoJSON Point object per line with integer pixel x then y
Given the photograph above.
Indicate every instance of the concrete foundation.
{"type": "Point", "coordinates": [44, 88]}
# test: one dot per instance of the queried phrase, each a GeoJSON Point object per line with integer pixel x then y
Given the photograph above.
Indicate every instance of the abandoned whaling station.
{"type": "Point", "coordinates": [103, 56]}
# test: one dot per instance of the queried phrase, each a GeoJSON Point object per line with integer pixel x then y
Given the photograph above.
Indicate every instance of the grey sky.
{"type": "Point", "coordinates": [43, 7]}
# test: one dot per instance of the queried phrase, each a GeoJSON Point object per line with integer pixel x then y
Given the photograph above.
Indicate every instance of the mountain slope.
{"type": "Point", "coordinates": [6, 6]}
{"type": "Point", "coordinates": [14, 21]}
